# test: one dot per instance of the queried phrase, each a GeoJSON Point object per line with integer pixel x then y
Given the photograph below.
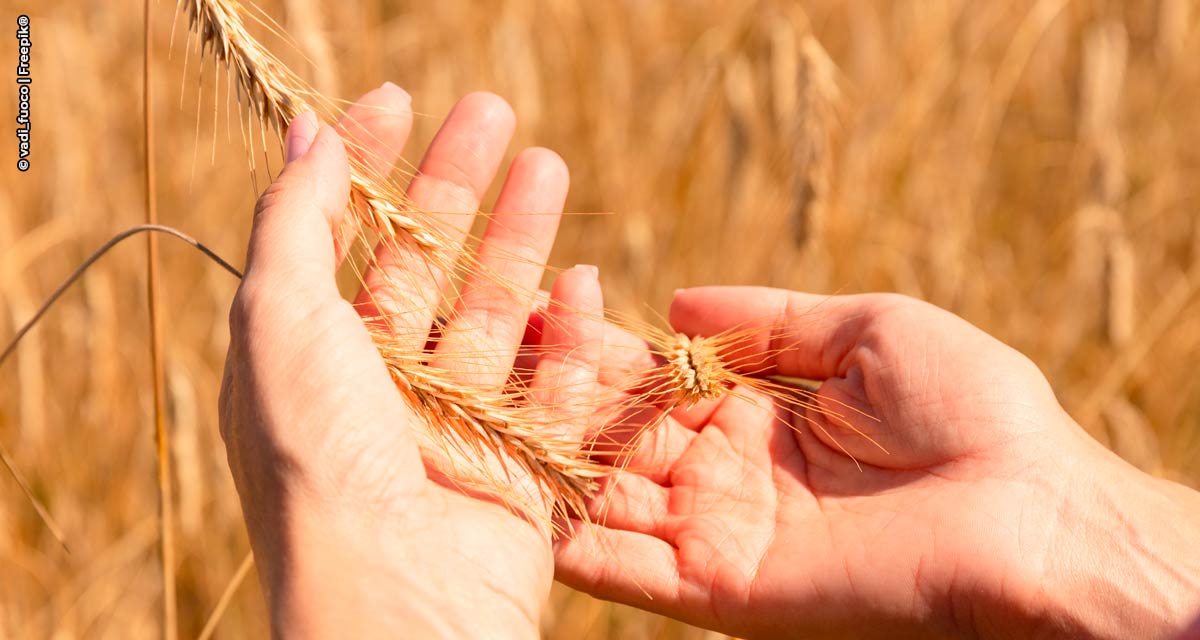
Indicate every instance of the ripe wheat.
{"type": "Point", "coordinates": [486, 436]}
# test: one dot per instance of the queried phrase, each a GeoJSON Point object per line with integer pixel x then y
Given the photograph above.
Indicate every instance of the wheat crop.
{"type": "Point", "coordinates": [1028, 165]}
{"type": "Point", "coordinates": [487, 434]}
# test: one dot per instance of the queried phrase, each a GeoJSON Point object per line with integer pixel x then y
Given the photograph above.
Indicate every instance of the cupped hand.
{"type": "Point", "coordinates": [351, 535]}
{"type": "Point", "coordinates": [932, 485]}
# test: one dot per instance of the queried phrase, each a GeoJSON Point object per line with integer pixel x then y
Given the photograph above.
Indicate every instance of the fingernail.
{"type": "Point", "coordinates": [395, 88]}
{"type": "Point", "coordinates": [675, 294]}
{"type": "Point", "coordinates": [590, 269]}
{"type": "Point", "coordinates": [300, 135]}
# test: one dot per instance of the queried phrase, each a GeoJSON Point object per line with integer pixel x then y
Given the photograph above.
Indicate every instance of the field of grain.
{"type": "Point", "coordinates": [1032, 165]}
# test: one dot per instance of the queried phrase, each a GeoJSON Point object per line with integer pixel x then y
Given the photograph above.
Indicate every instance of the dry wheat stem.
{"type": "Point", "coordinates": [214, 618]}
{"type": "Point", "coordinates": [166, 510]}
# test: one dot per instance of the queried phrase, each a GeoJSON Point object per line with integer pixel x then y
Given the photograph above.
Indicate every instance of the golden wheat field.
{"type": "Point", "coordinates": [1033, 165]}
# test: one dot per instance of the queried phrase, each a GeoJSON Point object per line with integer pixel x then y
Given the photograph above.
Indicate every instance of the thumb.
{"type": "Point", "coordinates": [776, 331]}
{"type": "Point", "coordinates": [309, 378]}
{"type": "Point", "coordinates": [294, 221]}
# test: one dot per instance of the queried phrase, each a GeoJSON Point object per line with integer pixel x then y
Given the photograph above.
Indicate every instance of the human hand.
{"type": "Point", "coordinates": [991, 513]}
{"type": "Point", "coordinates": [351, 535]}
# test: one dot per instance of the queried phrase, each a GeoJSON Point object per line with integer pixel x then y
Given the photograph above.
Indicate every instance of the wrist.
{"type": "Point", "coordinates": [348, 578]}
{"type": "Point", "coordinates": [1120, 559]}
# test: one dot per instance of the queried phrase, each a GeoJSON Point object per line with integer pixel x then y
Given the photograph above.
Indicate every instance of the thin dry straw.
{"type": "Point", "coordinates": [214, 618]}
{"type": "Point", "coordinates": [42, 513]}
{"type": "Point", "coordinates": [166, 510]}
{"type": "Point", "coordinates": [55, 530]}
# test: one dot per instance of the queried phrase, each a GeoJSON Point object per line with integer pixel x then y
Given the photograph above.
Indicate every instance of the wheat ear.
{"type": "Point", "coordinates": [472, 424]}
{"type": "Point", "coordinates": [487, 437]}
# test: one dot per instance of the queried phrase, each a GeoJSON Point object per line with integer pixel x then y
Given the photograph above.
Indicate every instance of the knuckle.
{"type": "Point", "coordinates": [897, 305]}
{"type": "Point", "coordinates": [895, 313]}
{"type": "Point", "coordinates": [225, 412]}
{"type": "Point", "coordinates": [247, 305]}
{"type": "Point", "coordinates": [514, 246]}
{"type": "Point", "coordinates": [493, 307]}
{"type": "Point", "coordinates": [270, 197]}
{"type": "Point", "coordinates": [452, 178]}
{"type": "Point", "coordinates": [239, 309]}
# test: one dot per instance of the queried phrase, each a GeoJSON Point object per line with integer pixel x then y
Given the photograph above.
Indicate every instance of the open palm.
{"type": "Point", "coordinates": [756, 518]}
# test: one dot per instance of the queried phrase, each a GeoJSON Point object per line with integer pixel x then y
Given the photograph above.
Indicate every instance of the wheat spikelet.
{"type": "Point", "coordinates": [811, 122]}
{"type": "Point", "coordinates": [700, 368]}
{"type": "Point", "coordinates": [1110, 259]}
{"type": "Point", "coordinates": [508, 432]}
{"type": "Point", "coordinates": [695, 369]}
{"type": "Point", "coordinates": [275, 95]}
{"type": "Point", "coordinates": [269, 88]}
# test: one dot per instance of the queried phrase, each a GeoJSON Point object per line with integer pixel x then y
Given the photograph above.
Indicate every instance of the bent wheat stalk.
{"type": "Point", "coordinates": [58, 292]}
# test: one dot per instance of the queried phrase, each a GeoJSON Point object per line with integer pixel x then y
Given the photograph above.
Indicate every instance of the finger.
{"type": "Point", "coordinates": [804, 335]}
{"type": "Point", "coordinates": [778, 331]}
{"type": "Point", "coordinates": [484, 333]}
{"type": "Point", "coordinates": [374, 130]}
{"type": "Point", "coordinates": [376, 127]}
{"type": "Point", "coordinates": [402, 286]}
{"type": "Point", "coordinates": [625, 357]}
{"type": "Point", "coordinates": [698, 415]}
{"type": "Point", "coordinates": [288, 323]}
{"type": "Point", "coordinates": [622, 566]}
{"type": "Point", "coordinates": [528, 356]}
{"type": "Point", "coordinates": [571, 346]}
{"type": "Point", "coordinates": [631, 502]}
{"type": "Point", "coordinates": [295, 217]}
{"type": "Point", "coordinates": [650, 451]}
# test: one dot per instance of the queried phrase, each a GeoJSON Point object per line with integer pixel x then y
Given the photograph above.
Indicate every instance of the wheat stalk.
{"type": "Point", "coordinates": [275, 95]}
{"type": "Point", "coordinates": [166, 510]}
{"type": "Point", "coordinates": [482, 438]}
{"type": "Point", "coordinates": [471, 423]}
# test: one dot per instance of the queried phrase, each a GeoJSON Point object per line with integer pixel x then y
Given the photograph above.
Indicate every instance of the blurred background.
{"type": "Point", "coordinates": [1033, 165]}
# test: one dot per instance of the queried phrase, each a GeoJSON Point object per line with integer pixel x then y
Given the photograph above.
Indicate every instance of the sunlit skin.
{"type": "Point", "coordinates": [987, 509]}
{"type": "Point", "coordinates": [351, 536]}
{"type": "Point", "coordinates": [990, 514]}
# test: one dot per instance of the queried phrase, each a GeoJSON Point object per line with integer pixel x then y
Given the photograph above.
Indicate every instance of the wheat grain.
{"type": "Point", "coordinates": [695, 370]}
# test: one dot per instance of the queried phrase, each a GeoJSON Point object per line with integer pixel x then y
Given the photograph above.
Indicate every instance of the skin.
{"type": "Point", "coordinates": [991, 515]}
{"type": "Point", "coordinates": [344, 518]}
